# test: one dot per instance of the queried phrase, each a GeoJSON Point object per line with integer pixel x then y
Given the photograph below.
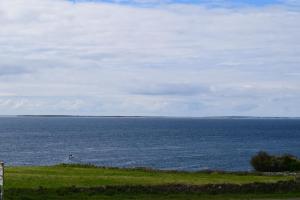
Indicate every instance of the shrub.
{"type": "Point", "coordinates": [264, 162]}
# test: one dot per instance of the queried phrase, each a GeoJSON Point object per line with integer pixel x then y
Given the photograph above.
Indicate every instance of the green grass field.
{"type": "Point", "coordinates": [26, 183]}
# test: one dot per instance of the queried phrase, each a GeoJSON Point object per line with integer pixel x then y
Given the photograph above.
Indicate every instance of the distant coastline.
{"type": "Point", "coordinates": [145, 116]}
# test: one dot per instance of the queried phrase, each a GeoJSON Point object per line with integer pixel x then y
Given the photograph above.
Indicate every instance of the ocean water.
{"type": "Point", "coordinates": [161, 143]}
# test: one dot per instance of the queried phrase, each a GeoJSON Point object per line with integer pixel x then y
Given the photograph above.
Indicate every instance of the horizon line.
{"type": "Point", "coordinates": [151, 116]}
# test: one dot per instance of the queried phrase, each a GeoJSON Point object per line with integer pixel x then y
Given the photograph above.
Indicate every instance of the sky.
{"type": "Point", "coordinates": [150, 57]}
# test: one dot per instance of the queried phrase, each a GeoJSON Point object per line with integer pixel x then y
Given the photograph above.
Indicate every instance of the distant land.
{"type": "Point", "coordinates": [141, 116]}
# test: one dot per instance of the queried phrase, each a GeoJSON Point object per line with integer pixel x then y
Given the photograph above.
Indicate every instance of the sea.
{"type": "Point", "coordinates": [188, 144]}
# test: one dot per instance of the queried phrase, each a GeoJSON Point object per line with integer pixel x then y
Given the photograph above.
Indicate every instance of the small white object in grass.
{"type": "Point", "coordinates": [1, 180]}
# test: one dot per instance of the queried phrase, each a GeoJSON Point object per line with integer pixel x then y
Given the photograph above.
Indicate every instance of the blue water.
{"type": "Point", "coordinates": [163, 143]}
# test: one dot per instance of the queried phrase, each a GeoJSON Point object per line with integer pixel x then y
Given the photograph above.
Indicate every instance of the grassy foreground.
{"type": "Point", "coordinates": [50, 183]}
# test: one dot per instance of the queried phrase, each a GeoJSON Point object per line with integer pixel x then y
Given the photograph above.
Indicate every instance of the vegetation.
{"type": "Point", "coordinates": [61, 195]}
{"type": "Point", "coordinates": [67, 176]}
{"type": "Point", "coordinates": [264, 162]}
{"type": "Point", "coordinates": [77, 182]}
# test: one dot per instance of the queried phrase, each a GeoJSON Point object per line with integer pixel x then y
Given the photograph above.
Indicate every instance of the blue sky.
{"type": "Point", "coordinates": [150, 57]}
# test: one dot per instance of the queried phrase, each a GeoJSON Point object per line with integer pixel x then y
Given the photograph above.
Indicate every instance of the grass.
{"type": "Point", "coordinates": [50, 183]}
{"type": "Point", "coordinates": [65, 176]}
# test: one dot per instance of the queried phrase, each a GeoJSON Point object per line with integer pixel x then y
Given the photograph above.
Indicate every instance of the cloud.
{"type": "Point", "coordinates": [206, 3]}
{"type": "Point", "coordinates": [291, 2]}
{"type": "Point", "coordinates": [171, 89]}
{"type": "Point", "coordinates": [12, 70]}
{"type": "Point", "coordinates": [97, 58]}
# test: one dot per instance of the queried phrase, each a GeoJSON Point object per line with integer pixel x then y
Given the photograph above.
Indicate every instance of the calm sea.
{"type": "Point", "coordinates": [163, 143]}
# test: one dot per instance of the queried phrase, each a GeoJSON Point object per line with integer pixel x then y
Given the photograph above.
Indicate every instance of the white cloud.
{"type": "Point", "coordinates": [291, 2]}
{"type": "Point", "coordinates": [57, 57]}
